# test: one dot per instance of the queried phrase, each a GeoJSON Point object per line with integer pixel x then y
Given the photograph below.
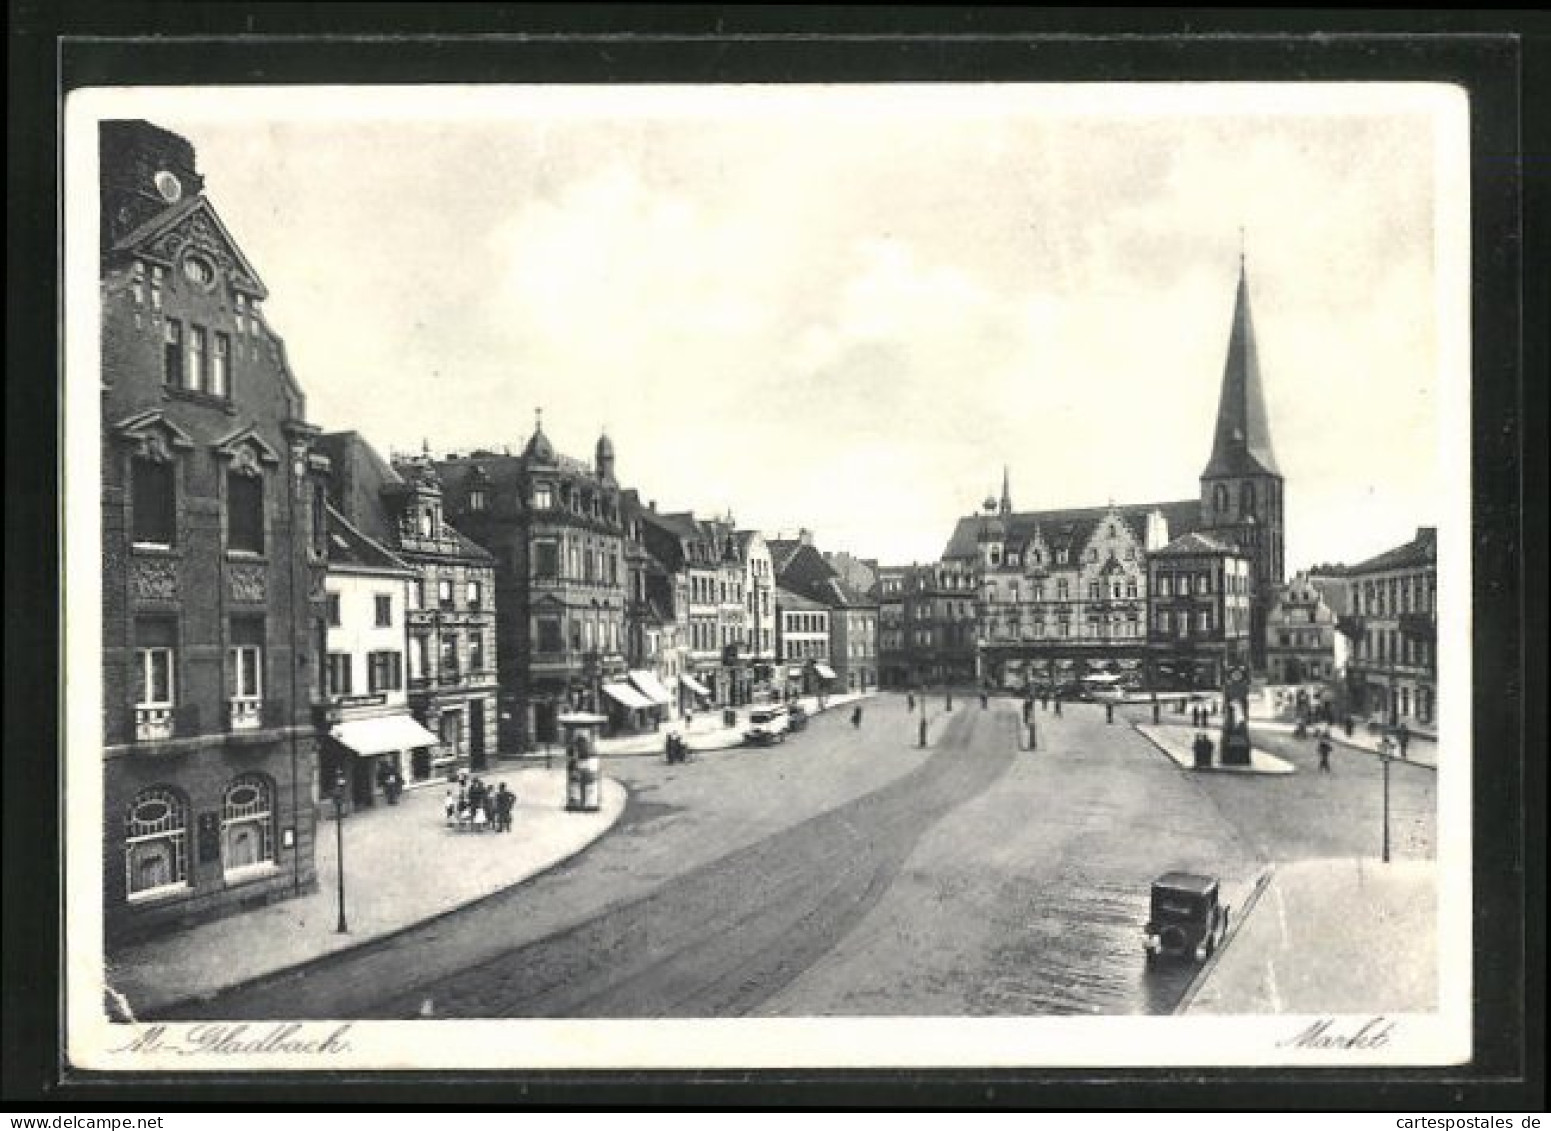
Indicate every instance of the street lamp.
{"type": "Point", "coordinates": [1386, 756]}
{"type": "Point", "coordinates": [339, 832]}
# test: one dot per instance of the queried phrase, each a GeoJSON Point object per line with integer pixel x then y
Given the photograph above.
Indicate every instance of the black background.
{"type": "Point", "coordinates": [1501, 58]}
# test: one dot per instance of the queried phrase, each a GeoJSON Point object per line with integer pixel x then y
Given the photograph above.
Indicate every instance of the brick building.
{"type": "Point", "coordinates": [214, 549]}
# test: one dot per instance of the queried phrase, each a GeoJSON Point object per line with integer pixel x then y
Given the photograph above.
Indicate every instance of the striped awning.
{"type": "Point", "coordinates": [694, 684]}
{"type": "Point", "coordinates": [824, 670]}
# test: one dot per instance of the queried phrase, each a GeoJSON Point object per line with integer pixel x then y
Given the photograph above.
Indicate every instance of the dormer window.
{"type": "Point", "coordinates": [477, 499]}
{"type": "Point", "coordinates": [543, 497]}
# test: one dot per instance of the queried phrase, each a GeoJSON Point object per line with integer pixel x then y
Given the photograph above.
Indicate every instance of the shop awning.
{"type": "Point", "coordinates": [694, 684]}
{"type": "Point", "coordinates": [650, 686]}
{"type": "Point", "coordinates": [824, 670]}
{"type": "Point", "coordinates": [382, 735]}
{"type": "Point", "coordinates": [627, 695]}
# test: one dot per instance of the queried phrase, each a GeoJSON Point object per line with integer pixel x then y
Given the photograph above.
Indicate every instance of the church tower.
{"type": "Point", "coordinates": [1241, 488]}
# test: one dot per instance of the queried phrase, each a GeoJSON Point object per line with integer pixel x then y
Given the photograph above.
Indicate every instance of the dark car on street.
{"type": "Point", "coordinates": [1188, 921]}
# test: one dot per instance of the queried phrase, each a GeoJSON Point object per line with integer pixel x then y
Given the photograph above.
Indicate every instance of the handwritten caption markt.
{"type": "Point", "coordinates": [291, 1038]}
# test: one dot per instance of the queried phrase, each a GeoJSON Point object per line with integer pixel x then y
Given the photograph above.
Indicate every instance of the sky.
{"type": "Point", "coordinates": [848, 308]}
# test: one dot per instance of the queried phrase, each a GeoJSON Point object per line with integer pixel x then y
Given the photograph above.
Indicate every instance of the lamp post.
{"type": "Point", "coordinates": [1385, 757]}
{"type": "Point", "coordinates": [339, 833]}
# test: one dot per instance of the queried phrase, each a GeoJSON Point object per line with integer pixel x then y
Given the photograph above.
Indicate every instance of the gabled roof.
{"type": "Point", "coordinates": [791, 599]}
{"type": "Point", "coordinates": [1071, 529]}
{"type": "Point", "coordinates": [1195, 543]}
{"type": "Point", "coordinates": [1420, 551]}
{"type": "Point", "coordinates": [848, 596]}
{"type": "Point", "coordinates": [148, 236]}
{"type": "Point", "coordinates": [350, 549]}
{"type": "Point", "coordinates": [1241, 444]}
{"type": "Point", "coordinates": [359, 478]}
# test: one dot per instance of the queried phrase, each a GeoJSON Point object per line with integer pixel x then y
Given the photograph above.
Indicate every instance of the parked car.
{"type": "Point", "coordinates": [767, 725]}
{"type": "Point", "coordinates": [796, 716]}
{"type": "Point", "coordinates": [1187, 921]}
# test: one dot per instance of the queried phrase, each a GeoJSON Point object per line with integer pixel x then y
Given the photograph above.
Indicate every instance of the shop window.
{"type": "Point", "coordinates": [155, 843]}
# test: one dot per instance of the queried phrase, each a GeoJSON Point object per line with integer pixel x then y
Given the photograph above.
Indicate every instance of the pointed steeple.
{"type": "Point", "coordinates": [1006, 494]}
{"type": "Point", "coordinates": [1242, 443]}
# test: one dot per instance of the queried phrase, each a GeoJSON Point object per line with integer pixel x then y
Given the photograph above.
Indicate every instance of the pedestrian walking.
{"type": "Point", "coordinates": [856, 718]}
{"type": "Point", "coordinates": [1058, 706]}
{"type": "Point", "coordinates": [1028, 710]}
{"type": "Point", "coordinates": [1405, 739]}
{"type": "Point", "coordinates": [450, 806]}
{"type": "Point", "coordinates": [923, 728]}
{"type": "Point", "coordinates": [1349, 725]}
{"type": "Point", "coordinates": [1324, 753]}
{"type": "Point", "coordinates": [984, 700]}
{"type": "Point", "coordinates": [910, 703]}
{"type": "Point", "coordinates": [506, 801]}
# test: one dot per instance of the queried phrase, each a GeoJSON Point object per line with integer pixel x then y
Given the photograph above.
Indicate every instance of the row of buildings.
{"type": "Point", "coordinates": [288, 616]}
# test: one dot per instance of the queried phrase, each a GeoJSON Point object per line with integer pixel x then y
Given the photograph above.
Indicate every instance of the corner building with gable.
{"type": "Point", "coordinates": [214, 553]}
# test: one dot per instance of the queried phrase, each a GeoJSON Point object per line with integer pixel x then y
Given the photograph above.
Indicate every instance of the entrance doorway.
{"type": "Point", "coordinates": [477, 758]}
{"type": "Point", "coordinates": [451, 728]}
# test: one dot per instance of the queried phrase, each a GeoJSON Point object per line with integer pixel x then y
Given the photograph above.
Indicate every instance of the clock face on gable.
{"type": "Point", "coordinates": [169, 186]}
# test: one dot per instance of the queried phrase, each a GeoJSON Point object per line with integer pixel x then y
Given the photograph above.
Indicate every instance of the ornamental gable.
{"type": "Point", "coordinates": [194, 233]}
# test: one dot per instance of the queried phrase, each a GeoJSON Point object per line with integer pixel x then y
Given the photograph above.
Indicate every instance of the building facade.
{"type": "Point", "coordinates": [893, 660]}
{"type": "Point", "coordinates": [366, 728]}
{"type": "Point", "coordinates": [1302, 641]}
{"type": "Point", "coordinates": [555, 529]}
{"type": "Point", "coordinates": [804, 641]}
{"type": "Point", "coordinates": [1199, 613]}
{"type": "Point", "coordinates": [1393, 671]}
{"type": "Point", "coordinates": [759, 640]}
{"type": "Point", "coordinates": [451, 618]}
{"type": "Point", "coordinates": [214, 550]}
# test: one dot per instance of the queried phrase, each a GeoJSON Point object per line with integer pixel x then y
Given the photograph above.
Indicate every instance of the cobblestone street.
{"type": "Point", "coordinates": [848, 872]}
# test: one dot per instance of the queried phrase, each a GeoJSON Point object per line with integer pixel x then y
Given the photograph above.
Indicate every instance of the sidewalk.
{"type": "Point", "coordinates": [1331, 936]}
{"type": "Point", "coordinates": [1175, 742]}
{"type": "Point", "coordinates": [402, 867]}
{"type": "Point", "coordinates": [1421, 750]}
{"type": "Point", "coordinates": [706, 731]}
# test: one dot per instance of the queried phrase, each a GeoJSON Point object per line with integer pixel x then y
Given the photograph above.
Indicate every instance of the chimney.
{"type": "Point", "coordinates": [805, 536]}
{"type": "Point", "coordinates": [652, 506]}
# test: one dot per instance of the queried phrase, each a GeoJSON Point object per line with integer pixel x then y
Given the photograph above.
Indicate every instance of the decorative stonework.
{"type": "Point", "coordinates": [153, 580]}
{"type": "Point", "coordinates": [247, 583]}
{"type": "Point", "coordinates": [198, 233]}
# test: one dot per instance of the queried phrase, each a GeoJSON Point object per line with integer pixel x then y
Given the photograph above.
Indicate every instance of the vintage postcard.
{"type": "Point", "coordinates": [768, 576]}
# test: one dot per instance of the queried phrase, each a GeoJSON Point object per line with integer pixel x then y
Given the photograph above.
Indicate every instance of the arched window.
{"type": "Point", "coordinates": [247, 824]}
{"type": "Point", "coordinates": [155, 842]}
{"type": "Point", "coordinates": [1246, 498]}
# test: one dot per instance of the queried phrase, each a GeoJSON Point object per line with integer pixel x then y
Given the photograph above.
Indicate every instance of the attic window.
{"type": "Point", "coordinates": [199, 271]}
{"type": "Point", "coordinates": [477, 499]}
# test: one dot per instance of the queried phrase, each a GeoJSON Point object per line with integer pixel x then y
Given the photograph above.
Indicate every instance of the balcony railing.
{"type": "Point", "coordinates": [162, 723]}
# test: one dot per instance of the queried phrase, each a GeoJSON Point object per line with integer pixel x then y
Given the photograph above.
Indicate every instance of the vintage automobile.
{"type": "Point", "coordinates": [796, 716]}
{"type": "Point", "coordinates": [767, 725]}
{"type": "Point", "coordinates": [1187, 919]}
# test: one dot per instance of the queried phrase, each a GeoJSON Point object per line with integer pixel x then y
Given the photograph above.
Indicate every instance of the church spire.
{"type": "Point", "coordinates": [1006, 494]}
{"type": "Point", "coordinates": [1242, 443]}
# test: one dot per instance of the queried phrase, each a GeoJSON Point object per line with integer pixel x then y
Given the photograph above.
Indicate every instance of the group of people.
{"type": "Point", "coordinates": [473, 804]}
